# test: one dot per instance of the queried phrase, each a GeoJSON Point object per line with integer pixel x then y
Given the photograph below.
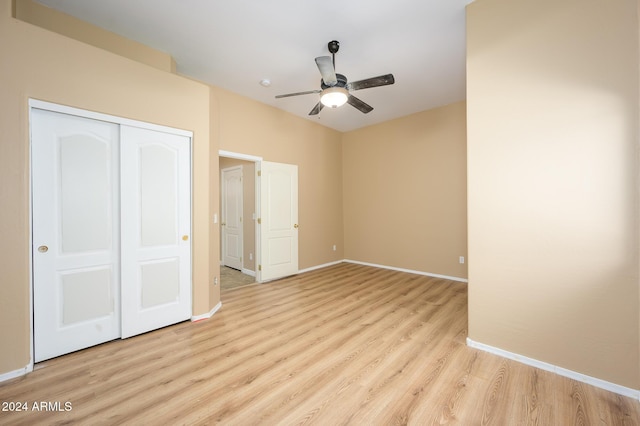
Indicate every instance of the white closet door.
{"type": "Point", "coordinates": [75, 232]}
{"type": "Point", "coordinates": [156, 229]}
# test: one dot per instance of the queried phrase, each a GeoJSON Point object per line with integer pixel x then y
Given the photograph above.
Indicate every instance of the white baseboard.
{"type": "Point", "coordinates": [16, 373]}
{"type": "Point", "coordinates": [244, 270]}
{"type": "Point", "coordinates": [208, 314]}
{"type": "Point", "coordinates": [248, 272]}
{"type": "Point", "coordinates": [313, 268]}
{"type": "Point", "coordinates": [603, 384]}
{"type": "Point", "coordinates": [324, 265]}
{"type": "Point", "coordinates": [428, 274]}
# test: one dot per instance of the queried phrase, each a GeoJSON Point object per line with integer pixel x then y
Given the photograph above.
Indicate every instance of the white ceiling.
{"type": "Point", "coordinates": [235, 44]}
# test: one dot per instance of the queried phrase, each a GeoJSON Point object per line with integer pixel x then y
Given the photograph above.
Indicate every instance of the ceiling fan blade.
{"type": "Point", "coordinates": [357, 103]}
{"type": "Point", "coordinates": [316, 109]}
{"type": "Point", "coordinates": [325, 65]}
{"type": "Point", "coordinates": [308, 92]}
{"type": "Point", "coordinates": [382, 80]}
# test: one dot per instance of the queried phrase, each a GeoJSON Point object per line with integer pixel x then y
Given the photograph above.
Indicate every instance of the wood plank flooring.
{"type": "Point", "coordinates": [348, 344]}
{"type": "Point", "coordinates": [232, 278]}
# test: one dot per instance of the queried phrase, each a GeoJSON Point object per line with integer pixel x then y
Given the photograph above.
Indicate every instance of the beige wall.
{"type": "Point", "coordinates": [51, 19]}
{"type": "Point", "coordinates": [552, 93]}
{"type": "Point", "coordinates": [249, 127]}
{"type": "Point", "coordinates": [405, 192]}
{"type": "Point", "coordinates": [248, 209]}
{"type": "Point", "coordinates": [40, 64]}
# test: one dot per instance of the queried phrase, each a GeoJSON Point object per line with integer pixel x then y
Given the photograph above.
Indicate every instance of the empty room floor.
{"type": "Point", "coordinates": [347, 344]}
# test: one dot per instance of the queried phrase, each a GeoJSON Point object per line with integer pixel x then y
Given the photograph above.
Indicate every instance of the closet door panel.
{"type": "Point", "coordinates": [156, 229]}
{"type": "Point", "coordinates": [75, 232]}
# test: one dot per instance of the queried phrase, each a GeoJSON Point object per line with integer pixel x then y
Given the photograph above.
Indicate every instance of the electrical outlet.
{"type": "Point", "coordinates": [334, 247]}
{"type": "Point", "coordinates": [461, 259]}
{"type": "Point", "coordinates": [215, 280]}
{"type": "Point", "coordinates": [250, 256]}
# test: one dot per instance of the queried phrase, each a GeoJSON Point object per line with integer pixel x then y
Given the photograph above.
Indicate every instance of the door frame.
{"type": "Point", "coordinates": [253, 159]}
{"type": "Point", "coordinates": [49, 106]}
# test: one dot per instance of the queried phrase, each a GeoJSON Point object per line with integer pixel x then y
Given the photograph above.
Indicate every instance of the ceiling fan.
{"type": "Point", "coordinates": [334, 88]}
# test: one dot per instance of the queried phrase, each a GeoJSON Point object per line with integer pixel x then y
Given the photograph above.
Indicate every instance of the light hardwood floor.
{"type": "Point", "coordinates": [348, 344]}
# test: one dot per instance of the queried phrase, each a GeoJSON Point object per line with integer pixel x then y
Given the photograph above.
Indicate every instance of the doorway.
{"type": "Point", "coordinates": [237, 222]}
{"type": "Point", "coordinates": [273, 251]}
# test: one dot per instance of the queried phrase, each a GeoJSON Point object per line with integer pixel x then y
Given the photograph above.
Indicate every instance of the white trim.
{"type": "Point", "coordinates": [35, 103]}
{"type": "Point", "coordinates": [29, 367]}
{"type": "Point", "coordinates": [313, 268]}
{"type": "Point", "coordinates": [257, 203]}
{"type": "Point", "coordinates": [16, 373]}
{"type": "Point", "coordinates": [603, 384]}
{"type": "Point", "coordinates": [238, 156]}
{"type": "Point", "coordinates": [428, 274]}
{"type": "Point", "coordinates": [208, 314]}
{"type": "Point", "coordinates": [244, 270]}
{"type": "Point", "coordinates": [248, 272]}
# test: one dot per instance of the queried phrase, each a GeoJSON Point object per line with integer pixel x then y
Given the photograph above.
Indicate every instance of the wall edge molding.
{"type": "Point", "coordinates": [324, 265]}
{"type": "Point", "coordinates": [248, 272]}
{"type": "Point", "coordinates": [196, 318]}
{"type": "Point", "coordinates": [599, 383]}
{"type": "Point", "coordinates": [411, 271]}
{"type": "Point", "coordinates": [16, 373]}
{"type": "Point", "coordinates": [238, 155]}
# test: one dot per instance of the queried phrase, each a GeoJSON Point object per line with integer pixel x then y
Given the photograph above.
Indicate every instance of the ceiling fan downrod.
{"type": "Point", "coordinates": [334, 46]}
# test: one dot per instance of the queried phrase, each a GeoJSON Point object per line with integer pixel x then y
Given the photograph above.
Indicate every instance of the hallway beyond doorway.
{"type": "Point", "coordinates": [232, 278]}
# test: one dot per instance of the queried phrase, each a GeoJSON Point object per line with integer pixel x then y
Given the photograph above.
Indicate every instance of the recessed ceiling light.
{"type": "Point", "coordinates": [265, 82]}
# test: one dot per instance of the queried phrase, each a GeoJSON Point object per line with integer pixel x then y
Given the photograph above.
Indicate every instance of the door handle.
{"type": "Point", "coordinates": [43, 249]}
{"type": "Point", "coordinates": [295, 225]}
{"type": "Point", "coordinates": [185, 237]}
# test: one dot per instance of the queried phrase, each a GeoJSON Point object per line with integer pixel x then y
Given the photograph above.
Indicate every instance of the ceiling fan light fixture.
{"type": "Point", "coordinates": [335, 88]}
{"type": "Point", "coordinates": [334, 97]}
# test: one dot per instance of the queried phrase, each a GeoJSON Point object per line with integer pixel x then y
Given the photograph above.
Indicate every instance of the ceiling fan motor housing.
{"type": "Point", "coordinates": [342, 82]}
{"type": "Point", "coordinates": [334, 46]}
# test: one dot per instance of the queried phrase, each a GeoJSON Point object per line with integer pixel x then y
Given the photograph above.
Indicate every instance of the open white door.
{"type": "Point", "coordinates": [232, 206]}
{"type": "Point", "coordinates": [156, 229]}
{"type": "Point", "coordinates": [278, 220]}
{"type": "Point", "coordinates": [76, 279]}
